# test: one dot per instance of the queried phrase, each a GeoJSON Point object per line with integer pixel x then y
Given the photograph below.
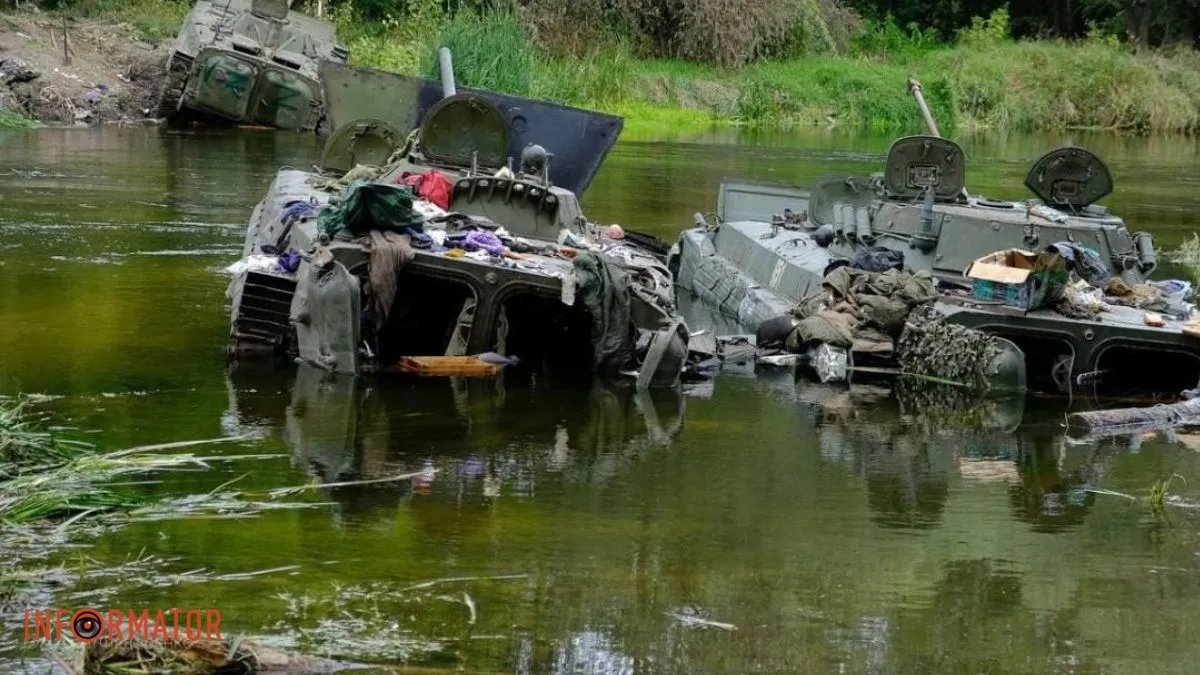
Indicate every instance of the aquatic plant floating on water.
{"type": "Point", "coordinates": [194, 657]}
{"type": "Point", "coordinates": [45, 476]}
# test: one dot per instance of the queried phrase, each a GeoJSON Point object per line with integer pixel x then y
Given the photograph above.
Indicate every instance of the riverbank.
{"type": "Point", "coordinates": [982, 81]}
{"type": "Point", "coordinates": [105, 70]}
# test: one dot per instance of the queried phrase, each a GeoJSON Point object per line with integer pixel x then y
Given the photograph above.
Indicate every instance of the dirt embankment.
{"type": "Point", "coordinates": [102, 73]}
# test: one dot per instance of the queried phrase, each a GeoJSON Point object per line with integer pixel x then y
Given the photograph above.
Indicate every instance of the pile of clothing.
{"type": "Point", "coordinates": [1091, 289]}
{"type": "Point", "coordinates": [368, 207]}
{"type": "Point", "coordinates": [1083, 300]}
{"type": "Point", "coordinates": [861, 311]}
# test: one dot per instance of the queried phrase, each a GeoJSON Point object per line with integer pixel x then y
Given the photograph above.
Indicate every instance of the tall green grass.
{"type": "Point", "coordinates": [1056, 85]}
{"type": "Point", "coordinates": [985, 79]}
{"type": "Point", "coordinates": [394, 43]}
{"type": "Point", "coordinates": [152, 19]}
{"type": "Point", "coordinates": [492, 51]}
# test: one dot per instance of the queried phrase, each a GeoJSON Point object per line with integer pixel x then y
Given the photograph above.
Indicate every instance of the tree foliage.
{"type": "Point", "coordinates": [735, 32]}
{"type": "Point", "coordinates": [1145, 23]}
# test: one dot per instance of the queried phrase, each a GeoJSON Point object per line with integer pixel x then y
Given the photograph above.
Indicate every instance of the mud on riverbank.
{"type": "Point", "coordinates": [99, 72]}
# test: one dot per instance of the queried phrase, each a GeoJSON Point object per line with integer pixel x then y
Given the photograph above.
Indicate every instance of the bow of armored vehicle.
{"type": "Point", "coordinates": [250, 62]}
{"type": "Point", "coordinates": [441, 228]}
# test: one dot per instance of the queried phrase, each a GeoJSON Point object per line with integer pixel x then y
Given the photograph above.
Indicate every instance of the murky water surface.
{"type": "Point", "coordinates": [760, 525]}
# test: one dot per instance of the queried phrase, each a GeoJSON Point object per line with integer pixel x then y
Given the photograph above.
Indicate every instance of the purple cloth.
{"type": "Point", "coordinates": [290, 262]}
{"type": "Point", "coordinates": [484, 240]}
{"type": "Point", "coordinates": [296, 210]}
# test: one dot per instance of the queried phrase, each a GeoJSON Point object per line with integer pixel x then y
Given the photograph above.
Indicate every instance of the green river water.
{"type": "Point", "coordinates": [586, 528]}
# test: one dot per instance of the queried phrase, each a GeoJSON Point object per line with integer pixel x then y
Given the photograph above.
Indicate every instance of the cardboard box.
{"type": "Point", "coordinates": [1018, 278]}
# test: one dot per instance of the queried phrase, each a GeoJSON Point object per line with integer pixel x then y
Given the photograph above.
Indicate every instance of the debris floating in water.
{"type": "Point", "coordinates": [691, 619]}
{"type": "Point", "coordinates": [236, 655]}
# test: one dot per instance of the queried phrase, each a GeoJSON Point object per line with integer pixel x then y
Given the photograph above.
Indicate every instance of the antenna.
{"type": "Point", "coordinates": [221, 25]}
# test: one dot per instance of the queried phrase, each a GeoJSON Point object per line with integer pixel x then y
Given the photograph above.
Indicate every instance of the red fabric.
{"type": "Point", "coordinates": [431, 185]}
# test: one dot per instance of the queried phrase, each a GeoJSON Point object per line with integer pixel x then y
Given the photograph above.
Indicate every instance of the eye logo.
{"type": "Point", "coordinates": [86, 625]}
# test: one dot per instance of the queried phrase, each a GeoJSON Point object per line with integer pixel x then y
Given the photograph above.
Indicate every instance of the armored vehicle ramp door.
{"type": "Point", "coordinates": [578, 139]}
{"type": "Point", "coordinates": [741, 200]}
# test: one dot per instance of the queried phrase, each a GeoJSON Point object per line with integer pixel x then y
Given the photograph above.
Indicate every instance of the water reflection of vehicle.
{"type": "Point", "coordinates": [910, 443]}
{"type": "Point", "coordinates": [343, 428]}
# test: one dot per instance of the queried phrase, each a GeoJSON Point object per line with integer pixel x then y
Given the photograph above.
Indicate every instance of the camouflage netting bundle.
{"type": "Point", "coordinates": [930, 346]}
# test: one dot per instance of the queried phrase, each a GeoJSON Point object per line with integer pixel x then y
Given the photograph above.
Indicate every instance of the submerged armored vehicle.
{"type": "Point", "coordinates": [249, 62]}
{"type": "Point", "coordinates": [351, 269]}
{"type": "Point", "coordinates": [772, 245]}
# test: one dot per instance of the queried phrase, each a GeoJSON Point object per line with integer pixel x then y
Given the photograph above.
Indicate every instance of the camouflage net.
{"type": "Point", "coordinates": [929, 346]}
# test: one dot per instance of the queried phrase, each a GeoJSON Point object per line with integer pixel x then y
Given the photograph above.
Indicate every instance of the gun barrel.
{"type": "Point", "coordinates": [914, 87]}
{"type": "Point", "coordinates": [446, 61]}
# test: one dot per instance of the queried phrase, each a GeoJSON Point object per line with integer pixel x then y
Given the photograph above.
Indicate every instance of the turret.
{"type": "Point", "coordinates": [270, 9]}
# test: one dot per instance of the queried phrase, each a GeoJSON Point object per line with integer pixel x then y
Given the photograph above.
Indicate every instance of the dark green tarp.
{"type": "Point", "coordinates": [371, 206]}
{"type": "Point", "coordinates": [604, 288]}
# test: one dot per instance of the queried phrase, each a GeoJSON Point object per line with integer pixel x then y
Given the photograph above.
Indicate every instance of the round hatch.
{"type": "Point", "coordinates": [1069, 176]}
{"type": "Point", "coordinates": [366, 141]}
{"type": "Point", "coordinates": [919, 162]}
{"type": "Point", "coordinates": [457, 127]}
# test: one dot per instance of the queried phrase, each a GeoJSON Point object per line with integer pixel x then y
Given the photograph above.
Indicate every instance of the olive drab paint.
{"type": "Point", "coordinates": [249, 62]}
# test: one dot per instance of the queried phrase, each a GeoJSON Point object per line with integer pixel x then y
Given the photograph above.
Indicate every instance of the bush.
{"type": "Point", "coordinates": [987, 32]}
{"type": "Point", "coordinates": [1020, 86]}
{"type": "Point", "coordinates": [725, 33]}
{"type": "Point", "coordinates": [887, 40]}
{"type": "Point", "coordinates": [391, 43]}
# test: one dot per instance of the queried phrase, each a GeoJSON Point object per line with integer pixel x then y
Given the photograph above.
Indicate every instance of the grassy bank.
{"type": "Point", "coordinates": [10, 119]}
{"type": "Point", "coordinates": [981, 80]}
{"type": "Point", "coordinates": [984, 80]}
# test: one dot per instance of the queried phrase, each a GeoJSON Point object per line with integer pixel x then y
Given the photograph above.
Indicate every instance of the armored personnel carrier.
{"type": "Point", "coordinates": [249, 62]}
{"type": "Point", "coordinates": [424, 236]}
{"type": "Point", "coordinates": [771, 245]}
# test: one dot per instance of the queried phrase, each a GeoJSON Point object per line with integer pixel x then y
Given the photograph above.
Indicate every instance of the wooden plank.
{"type": "Point", "coordinates": [442, 366]}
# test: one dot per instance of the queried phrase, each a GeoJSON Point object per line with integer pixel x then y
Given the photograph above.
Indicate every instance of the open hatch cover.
{"type": "Point", "coordinates": [1069, 176]}
{"type": "Point", "coordinates": [579, 139]}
